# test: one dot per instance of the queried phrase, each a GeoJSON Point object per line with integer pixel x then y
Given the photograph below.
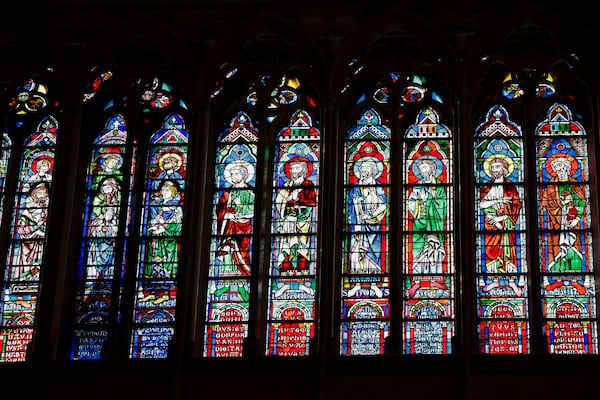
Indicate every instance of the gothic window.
{"type": "Point", "coordinates": [429, 302]}
{"type": "Point", "coordinates": [26, 245]}
{"type": "Point", "coordinates": [365, 307]}
{"type": "Point", "coordinates": [398, 144]}
{"type": "Point", "coordinates": [271, 127]}
{"type": "Point", "coordinates": [160, 240]}
{"type": "Point", "coordinates": [231, 245]}
{"type": "Point", "coordinates": [293, 263]}
{"type": "Point", "coordinates": [565, 256]}
{"type": "Point", "coordinates": [132, 219]}
{"type": "Point", "coordinates": [501, 268]}
{"type": "Point", "coordinates": [535, 271]}
{"type": "Point", "coordinates": [107, 198]}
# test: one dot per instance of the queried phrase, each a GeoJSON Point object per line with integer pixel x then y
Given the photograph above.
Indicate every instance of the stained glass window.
{"type": "Point", "coordinates": [565, 239]}
{"type": "Point", "coordinates": [366, 280]}
{"type": "Point", "coordinates": [102, 259]}
{"type": "Point", "coordinates": [93, 87]}
{"type": "Point", "coordinates": [232, 239]}
{"type": "Point", "coordinates": [501, 269]}
{"type": "Point", "coordinates": [27, 241]}
{"type": "Point", "coordinates": [548, 173]}
{"type": "Point", "coordinates": [31, 99]}
{"type": "Point", "coordinates": [391, 270]}
{"type": "Point", "coordinates": [132, 220]}
{"type": "Point", "coordinates": [160, 240]}
{"type": "Point", "coordinates": [397, 287]}
{"type": "Point", "coordinates": [285, 110]}
{"type": "Point", "coordinates": [294, 263]}
{"type": "Point", "coordinates": [512, 88]}
{"type": "Point", "coordinates": [429, 290]}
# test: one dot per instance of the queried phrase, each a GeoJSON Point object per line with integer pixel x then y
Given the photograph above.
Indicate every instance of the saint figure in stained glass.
{"type": "Point", "coordinates": [366, 210]}
{"type": "Point", "coordinates": [164, 227]}
{"type": "Point", "coordinates": [564, 203]}
{"type": "Point", "coordinates": [103, 228]}
{"type": "Point", "coordinates": [31, 230]}
{"type": "Point", "coordinates": [500, 205]}
{"type": "Point", "coordinates": [428, 207]}
{"type": "Point", "coordinates": [295, 202]}
{"type": "Point", "coordinates": [235, 211]}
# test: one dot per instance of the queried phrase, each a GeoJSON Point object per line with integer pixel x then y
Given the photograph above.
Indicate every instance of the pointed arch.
{"type": "Point", "coordinates": [159, 250]}
{"type": "Point", "coordinates": [233, 223]}
{"type": "Point", "coordinates": [565, 241]}
{"type": "Point", "coordinates": [143, 114]}
{"type": "Point", "coordinates": [429, 261]}
{"type": "Point", "coordinates": [270, 85]}
{"type": "Point", "coordinates": [500, 226]}
{"type": "Point", "coordinates": [27, 244]}
{"type": "Point", "coordinates": [365, 315]}
{"type": "Point", "coordinates": [294, 265]}
{"type": "Point", "coordinates": [106, 219]}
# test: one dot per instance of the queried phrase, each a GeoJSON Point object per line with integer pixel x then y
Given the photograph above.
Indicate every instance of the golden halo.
{"type": "Point", "coordinates": [509, 162]}
{"type": "Point", "coordinates": [176, 156]}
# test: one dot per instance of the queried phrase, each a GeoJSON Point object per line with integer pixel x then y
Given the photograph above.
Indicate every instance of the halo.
{"type": "Point", "coordinates": [112, 155]}
{"type": "Point", "coordinates": [566, 156]}
{"type": "Point", "coordinates": [309, 166]}
{"type": "Point", "coordinates": [360, 161]}
{"type": "Point", "coordinates": [35, 162]}
{"type": "Point", "coordinates": [509, 162]}
{"type": "Point", "coordinates": [171, 154]}
{"type": "Point", "coordinates": [437, 161]}
{"type": "Point", "coordinates": [237, 164]}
